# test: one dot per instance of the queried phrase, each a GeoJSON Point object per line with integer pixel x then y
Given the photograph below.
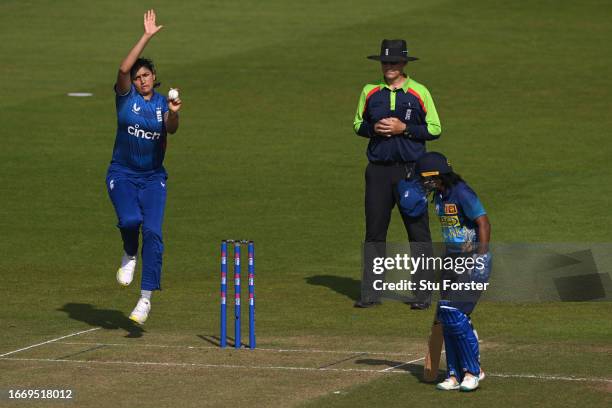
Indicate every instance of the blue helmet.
{"type": "Point", "coordinates": [433, 164]}
{"type": "Point", "coordinates": [413, 201]}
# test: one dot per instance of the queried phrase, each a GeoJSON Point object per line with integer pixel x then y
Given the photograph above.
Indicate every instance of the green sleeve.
{"type": "Point", "coordinates": [360, 125]}
{"type": "Point", "coordinates": [434, 127]}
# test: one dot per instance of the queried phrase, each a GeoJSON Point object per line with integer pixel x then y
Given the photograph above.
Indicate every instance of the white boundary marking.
{"type": "Point", "coordinates": [288, 368]}
{"type": "Point", "coordinates": [49, 341]}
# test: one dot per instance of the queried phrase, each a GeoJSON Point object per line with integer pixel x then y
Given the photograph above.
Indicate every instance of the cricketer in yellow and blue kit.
{"type": "Point", "coordinates": [466, 233]}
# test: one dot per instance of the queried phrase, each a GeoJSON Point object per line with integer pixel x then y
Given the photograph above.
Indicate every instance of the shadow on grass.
{"type": "Point", "coordinates": [348, 287]}
{"type": "Point", "coordinates": [105, 318]}
{"type": "Point", "coordinates": [216, 341]}
{"type": "Point", "coordinates": [415, 369]}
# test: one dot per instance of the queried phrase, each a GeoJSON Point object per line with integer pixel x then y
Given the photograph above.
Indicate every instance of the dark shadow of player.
{"type": "Point", "coordinates": [216, 340]}
{"type": "Point", "coordinates": [415, 369]}
{"type": "Point", "coordinates": [104, 318]}
{"type": "Point", "coordinates": [348, 287]}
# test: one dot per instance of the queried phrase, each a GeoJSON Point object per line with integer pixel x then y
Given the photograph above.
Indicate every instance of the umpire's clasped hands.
{"type": "Point", "coordinates": [388, 127]}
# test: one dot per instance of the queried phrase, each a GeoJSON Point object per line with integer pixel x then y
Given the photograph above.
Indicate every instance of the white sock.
{"type": "Point", "coordinates": [146, 294]}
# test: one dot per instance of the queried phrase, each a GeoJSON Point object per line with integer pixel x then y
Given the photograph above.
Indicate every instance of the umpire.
{"type": "Point", "coordinates": [397, 115]}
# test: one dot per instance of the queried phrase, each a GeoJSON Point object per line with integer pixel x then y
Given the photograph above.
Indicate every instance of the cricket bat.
{"type": "Point", "coordinates": [434, 352]}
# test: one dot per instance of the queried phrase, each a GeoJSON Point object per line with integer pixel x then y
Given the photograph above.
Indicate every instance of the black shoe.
{"type": "Point", "coordinates": [419, 306]}
{"type": "Point", "coordinates": [364, 305]}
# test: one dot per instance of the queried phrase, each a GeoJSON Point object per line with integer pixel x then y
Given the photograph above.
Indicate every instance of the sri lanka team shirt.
{"type": "Point", "coordinates": [140, 143]}
{"type": "Point", "coordinates": [457, 209]}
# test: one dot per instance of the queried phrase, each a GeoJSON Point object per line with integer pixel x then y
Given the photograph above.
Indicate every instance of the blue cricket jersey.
{"type": "Point", "coordinates": [140, 143]}
{"type": "Point", "coordinates": [457, 209]}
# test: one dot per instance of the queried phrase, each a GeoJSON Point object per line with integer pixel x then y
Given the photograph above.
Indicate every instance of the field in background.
{"type": "Point", "coordinates": [266, 151]}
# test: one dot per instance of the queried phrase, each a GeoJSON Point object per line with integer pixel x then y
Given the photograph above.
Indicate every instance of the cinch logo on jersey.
{"type": "Point", "coordinates": [143, 134]}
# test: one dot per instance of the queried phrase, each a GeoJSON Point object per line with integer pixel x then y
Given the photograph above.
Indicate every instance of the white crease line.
{"type": "Point", "coordinates": [408, 362]}
{"type": "Point", "coordinates": [49, 341]}
{"type": "Point", "coordinates": [400, 365]}
{"type": "Point", "coordinates": [86, 343]}
{"type": "Point", "coordinates": [337, 351]}
{"type": "Point", "coordinates": [76, 343]}
{"type": "Point", "coordinates": [549, 377]}
{"type": "Point", "coordinates": [234, 366]}
{"type": "Point", "coordinates": [203, 365]}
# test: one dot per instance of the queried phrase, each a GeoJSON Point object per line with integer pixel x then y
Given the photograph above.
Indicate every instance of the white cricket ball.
{"type": "Point", "coordinates": [173, 94]}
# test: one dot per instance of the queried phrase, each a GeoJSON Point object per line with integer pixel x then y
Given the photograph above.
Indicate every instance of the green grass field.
{"type": "Point", "coordinates": [266, 150]}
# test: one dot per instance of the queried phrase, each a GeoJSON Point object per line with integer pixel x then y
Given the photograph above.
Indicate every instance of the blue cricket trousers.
{"type": "Point", "coordinates": [139, 202]}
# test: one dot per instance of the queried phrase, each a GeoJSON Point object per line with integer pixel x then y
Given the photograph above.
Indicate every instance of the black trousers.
{"type": "Point", "coordinates": [381, 196]}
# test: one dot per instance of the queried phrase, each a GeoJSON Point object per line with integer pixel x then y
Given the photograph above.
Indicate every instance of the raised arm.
{"type": "Point", "coordinates": [124, 81]}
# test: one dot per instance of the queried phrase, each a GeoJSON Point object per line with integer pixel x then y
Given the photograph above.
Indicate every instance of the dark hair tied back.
{"type": "Point", "coordinates": [450, 179]}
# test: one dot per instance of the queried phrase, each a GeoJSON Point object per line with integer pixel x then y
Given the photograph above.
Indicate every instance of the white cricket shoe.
{"type": "Point", "coordinates": [469, 383]}
{"type": "Point", "coordinates": [448, 385]}
{"type": "Point", "coordinates": [141, 311]}
{"type": "Point", "coordinates": [125, 273]}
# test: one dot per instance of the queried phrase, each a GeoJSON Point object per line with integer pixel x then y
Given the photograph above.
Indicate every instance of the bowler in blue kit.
{"type": "Point", "coordinates": [136, 178]}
